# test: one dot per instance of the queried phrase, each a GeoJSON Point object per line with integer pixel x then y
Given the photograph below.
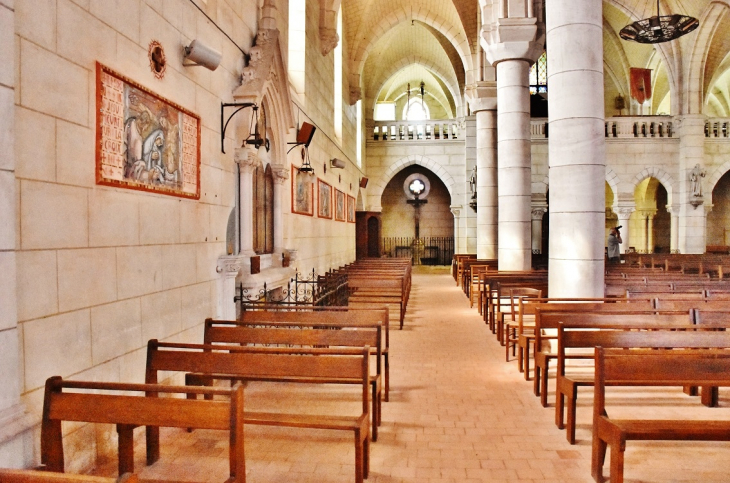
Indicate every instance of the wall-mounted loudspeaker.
{"type": "Point", "coordinates": [363, 182]}
{"type": "Point", "coordinates": [337, 163]}
{"type": "Point", "coordinates": [305, 134]}
{"type": "Point", "coordinates": [200, 54]}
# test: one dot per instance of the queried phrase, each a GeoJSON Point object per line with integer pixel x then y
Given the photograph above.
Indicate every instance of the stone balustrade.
{"type": "Point", "coordinates": [434, 130]}
{"type": "Point", "coordinates": [621, 127]}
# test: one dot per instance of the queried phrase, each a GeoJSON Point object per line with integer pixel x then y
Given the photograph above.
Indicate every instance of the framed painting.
{"type": "Point", "coordinates": [302, 193]}
{"type": "Point", "coordinates": [324, 199]}
{"type": "Point", "coordinates": [143, 141]}
{"type": "Point", "coordinates": [350, 209]}
{"type": "Point", "coordinates": [340, 205]}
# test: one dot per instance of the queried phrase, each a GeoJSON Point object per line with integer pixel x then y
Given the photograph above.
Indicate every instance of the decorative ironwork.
{"type": "Point", "coordinates": [660, 28]}
{"type": "Point", "coordinates": [330, 289]}
{"type": "Point", "coordinates": [422, 251]}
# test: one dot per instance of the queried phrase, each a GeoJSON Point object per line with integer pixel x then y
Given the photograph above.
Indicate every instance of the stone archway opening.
{"type": "Point", "coordinates": [435, 242]}
{"type": "Point", "coordinates": [718, 220]}
{"type": "Point", "coordinates": [650, 224]}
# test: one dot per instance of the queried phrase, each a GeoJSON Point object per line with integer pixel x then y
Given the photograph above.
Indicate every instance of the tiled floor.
{"type": "Point", "coordinates": [458, 413]}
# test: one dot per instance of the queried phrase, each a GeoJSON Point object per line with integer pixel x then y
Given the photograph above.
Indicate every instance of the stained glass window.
{"type": "Point", "coordinates": [538, 75]}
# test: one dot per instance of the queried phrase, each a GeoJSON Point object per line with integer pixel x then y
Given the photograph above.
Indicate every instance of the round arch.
{"type": "Point", "coordinates": [714, 178]}
{"type": "Point", "coordinates": [379, 184]}
{"type": "Point", "coordinates": [664, 178]}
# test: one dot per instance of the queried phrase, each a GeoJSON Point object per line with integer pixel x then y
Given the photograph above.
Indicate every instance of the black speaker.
{"type": "Point", "coordinates": [363, 182]}
{"type": "Point", "coordinates": [305, 134]}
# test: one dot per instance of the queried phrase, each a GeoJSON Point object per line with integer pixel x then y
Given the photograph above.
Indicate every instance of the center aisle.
{"type": "Point", "coordinates": [457, 411]}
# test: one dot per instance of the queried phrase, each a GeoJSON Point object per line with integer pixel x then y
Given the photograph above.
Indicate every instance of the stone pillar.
{"type": "Point", "coordinates": [624, 214]}
{"type": "Point", "coordinates": [674, 228]}
{"type": "Point", "coordinates": [483, 102]}
{"type": "Point", "coordinates": [247, 162]}
{"type": "Point", "coordinates": [576, 148]}
{"type": "Point", "coordinates": [692, 219]}
{"type": "Point", "coordinates": [513, 44]}
{"type": "Point", "coordinates": [281, 175]}
{"type": "Point", "coordinates": [16, 439]}
{"type": "Point", "coordinates": [537, 213]}
{"type": "Point", "coordinates": [650, 214]}
{"type": "Point", "coordinates": [459, 247]}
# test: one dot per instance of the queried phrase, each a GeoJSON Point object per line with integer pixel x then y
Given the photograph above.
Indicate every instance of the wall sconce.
{"type": "Point", "coordinates": [304, 138]}
{"type": "Point", "coordinates": [257, 137]}
{"type": "Point", "coordinates": [200, 54]}
{"type": "Point", "coordinates": [337, 163]}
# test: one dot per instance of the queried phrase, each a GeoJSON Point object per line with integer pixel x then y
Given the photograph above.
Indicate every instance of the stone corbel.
{"type": "Point", "coordinates": [328, 37]}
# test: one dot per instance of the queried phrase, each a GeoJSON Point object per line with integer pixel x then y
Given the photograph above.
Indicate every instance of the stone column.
{"type": "Point", "coordinates": [513, 44]}
{"type": "Point", "coordinates": [624, 214]}
{"type": "Point", "coordinates": [458, 245]}
{"type": "Point", "coordinates": [537, 213]}
{"type": "Point", "coordinates": [16, 439]}
{"type": "Point", "coordinates": [691, 229]}
{"type": "Point", "coordinates": [650, 214]}
{"type": "Point", "coordinates": [247, 162]}
{"type": "Point", "coordinates": [483, 102]}
{"type": "Point", "coordinates": [281, 175]}
{"type": "Point", "coordinates": [576, 147]}
{"type": "Point", "coordinates": [674, 228]}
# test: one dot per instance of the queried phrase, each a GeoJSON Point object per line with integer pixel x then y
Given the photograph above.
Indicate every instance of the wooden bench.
{"type": "Point", "coordinates": [492, 280]}
{"type": "Point", "coordinates": [63, 403]}
{"type": "Point", "coordinates": [526, 318]}
{"type": "Point", "coordinates": [546, 320]}
{"type": "Point", "coordinates": [297, 335]}
{"type": "Point", "coordinates": [333, 317]}
{"type": "Point", "coordinates": [628, 336]}
{"type": "Point", "coordinates": [275, 364]}
{"type": "Point", "coordinates": [703, 367]}
{"type": "Point", "coordinates": [35, 476]}
{"type": "Point", "coordinates": [367, 290]}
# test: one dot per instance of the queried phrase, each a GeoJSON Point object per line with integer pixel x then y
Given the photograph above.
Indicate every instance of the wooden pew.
{"type": "Point", "coordinates": [106, 405]}
{"type": "Point", "coordinates": [624, 335]}
{"type": "Point", "coordinates": [548, 320]}
{"type": "Point", "coordinates": [703, 367]}
{"type": "Point", "coordinates": [36, 476]}
{"type": "Point", "coordinates": [276, 364]}
{"type": "Point", "coordinates": [491, 282]}
{"type": "Point", "coordinates": [526, 318]}
{"type": "Point", "coordinates": [296, 335]}
{"type": "Point", "coordinates": [334, 317]}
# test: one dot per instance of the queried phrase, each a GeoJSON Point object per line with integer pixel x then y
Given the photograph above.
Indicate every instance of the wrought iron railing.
{"type": "Point", "coordinates": [421, 251]}
{"type": "Point", "coordinates": [326, 290]}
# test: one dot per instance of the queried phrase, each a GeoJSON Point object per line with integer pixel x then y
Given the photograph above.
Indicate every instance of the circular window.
{"type": "Point", "coordinates": [416, 184]}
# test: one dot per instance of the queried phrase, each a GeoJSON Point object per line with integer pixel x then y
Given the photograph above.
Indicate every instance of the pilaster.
{"type": "Point", "coordinates": [624, 211]}
{"type": "Point", "coordinates": [281, 176]}
{"type": "Point", "coordinates": [247, 162]}
{"type": "Point", "coordinates": [692, 219]}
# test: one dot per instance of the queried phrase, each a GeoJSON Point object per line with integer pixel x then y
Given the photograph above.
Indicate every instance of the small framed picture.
{"type": "Point", "coordinates": [340, 205]}
{"type": "Point", "coordinates": [302, 193]}
{"type": "Point", "coordinates": [350, 209]}
{"type": "Point", "coordinates": [324, 199]}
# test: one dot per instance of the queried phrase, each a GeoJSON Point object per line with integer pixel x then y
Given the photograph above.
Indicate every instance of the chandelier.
{"type": "Point", "coordinates": [661, 28]}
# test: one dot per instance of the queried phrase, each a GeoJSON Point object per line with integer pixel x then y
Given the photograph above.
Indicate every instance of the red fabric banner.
{"type": "Point", "coordinates": [640, 84]}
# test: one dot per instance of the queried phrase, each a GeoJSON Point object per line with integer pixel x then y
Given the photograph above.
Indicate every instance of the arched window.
{"type": "Point", "coordinates": [263, 210]}
{"type": "Point", "coordinates": [538, 75]}
{"type": "Point", "coordinates": [416, 110]}
{"type": "Point", "coordinates": [297, 43]}
{"type": "Point", "coordinates": [338, 80]}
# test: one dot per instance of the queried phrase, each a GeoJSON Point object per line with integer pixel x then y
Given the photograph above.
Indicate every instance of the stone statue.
{"type": "Point", "coordinates": [695, 183]}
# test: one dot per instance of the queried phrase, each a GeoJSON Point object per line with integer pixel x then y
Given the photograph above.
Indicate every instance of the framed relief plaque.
{"type": "Point", "coordinates": [324, 199]}
{"type": "Point", "coordinates": [143, 141]}
{"type": "Point", "coordinates": [350, 209]}
{"type": "Point", "coordinates": [302, 192]}
{"type": "Point", "coordinates": [340, 205]}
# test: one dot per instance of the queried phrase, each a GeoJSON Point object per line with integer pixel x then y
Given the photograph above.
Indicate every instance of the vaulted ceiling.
{"type": "Point", "coordinates": [393, 43]}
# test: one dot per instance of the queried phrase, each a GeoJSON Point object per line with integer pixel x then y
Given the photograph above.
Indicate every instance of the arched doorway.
{"type": "Point", "coordinates": [650, 224]}
{"type": "Point", "coordinates": [435, 244]}
{"type": "Point", "coordinates": [718, 220]}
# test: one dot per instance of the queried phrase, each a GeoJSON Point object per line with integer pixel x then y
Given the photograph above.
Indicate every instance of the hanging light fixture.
{"type": "Point", "coordinates": [661, 28]}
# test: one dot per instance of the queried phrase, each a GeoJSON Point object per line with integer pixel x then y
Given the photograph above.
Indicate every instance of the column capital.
{"type": "Point", "coordinates": [247, 158]}
{"type": "Point", "coordinates": [229, 265]}
{"type": "Point", "coordinates": [538, 212]}
{"type": "Point", "coordinates": [648, 213]}
{"type": "Point", "coordinates": [482, 96]}
{"type": "Point", "coordinates": [456, 210]}
{"type": "Point", "coordinates": [708, 208]}
{"type": "Point", "coordinates": [624, 211]}
{"type": "Point", "coordinates": [512, 39]}
{"type": "Point", "coordinates": [281, 174]}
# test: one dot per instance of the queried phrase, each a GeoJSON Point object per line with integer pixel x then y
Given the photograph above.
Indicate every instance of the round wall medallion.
{"type": "Point", "coordinates": [416, 184]}
{"type": "Point", "coordinates": [158, 62]}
